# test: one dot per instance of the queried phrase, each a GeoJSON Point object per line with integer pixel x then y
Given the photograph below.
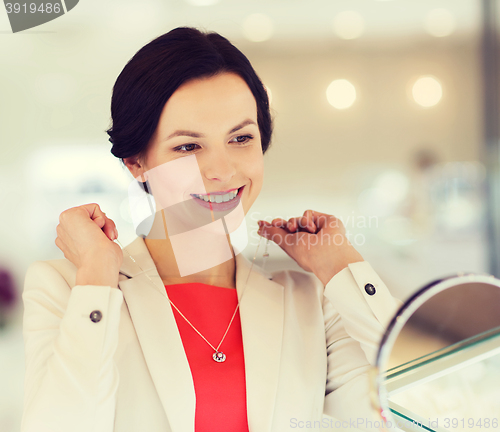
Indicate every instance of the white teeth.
{"type": "Point", "coordinates": [218, 198]}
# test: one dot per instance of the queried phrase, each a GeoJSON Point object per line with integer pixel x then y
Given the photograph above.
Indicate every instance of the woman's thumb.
{"type": "Point", "coordinates": [100, 221]}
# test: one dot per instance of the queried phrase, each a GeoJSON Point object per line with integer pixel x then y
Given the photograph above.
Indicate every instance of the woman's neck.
{"type": "Point", "coordinates": [162, 253]}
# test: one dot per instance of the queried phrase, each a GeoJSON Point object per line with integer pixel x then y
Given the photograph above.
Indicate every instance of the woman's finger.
{"type": "Point", "coordinates": [294, 244]}
{"type": "Point", "coordinates": [110, 229]}
{"type": "Point", "coordinates": [278, 222]}
{"type": "Point", "coordinates": [292, 224]}
{"type": "Point", "coordinates": [296, 223]}
{"type": "Point", "coordinates": [103, 222]}
{"type": "Point", "coordinates": [311, 220]}
{"type": "Point", "coordinates": [307, 223]}
{"type": "Point", "coordinates": [59, 244]}
{"type": "Point", "coordinates": [319, 221]}
{"type": "Point", "coordinates": [322, 219]}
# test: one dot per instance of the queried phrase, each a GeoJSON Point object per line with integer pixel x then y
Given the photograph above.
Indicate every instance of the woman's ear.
{"type": "Point", "coordinates": [136, 167]}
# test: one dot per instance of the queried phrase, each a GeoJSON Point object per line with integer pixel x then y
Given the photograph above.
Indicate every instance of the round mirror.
{"type": "Point", "coordinates": [438, 365]}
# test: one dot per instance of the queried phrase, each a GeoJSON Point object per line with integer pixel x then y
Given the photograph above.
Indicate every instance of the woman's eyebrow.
{"type": "Point", "coordinates": [199, 135]}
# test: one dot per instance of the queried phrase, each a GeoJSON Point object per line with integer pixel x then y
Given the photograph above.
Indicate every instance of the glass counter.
{"type": "Point", "coordinates": [456, 388]}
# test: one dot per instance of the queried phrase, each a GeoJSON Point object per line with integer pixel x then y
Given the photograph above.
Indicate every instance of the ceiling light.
{"type": "Point", "coordinates": [341, 94]}
{"type": "Point", "coordinates": [427, 91]}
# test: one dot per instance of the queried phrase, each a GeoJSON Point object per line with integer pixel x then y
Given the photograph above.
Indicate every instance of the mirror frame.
{"type": "Point", "coordinates": [378, 393]}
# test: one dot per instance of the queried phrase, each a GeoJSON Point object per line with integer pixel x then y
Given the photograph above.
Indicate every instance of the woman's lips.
{"type": "Point", "coordinates": [223, 206]}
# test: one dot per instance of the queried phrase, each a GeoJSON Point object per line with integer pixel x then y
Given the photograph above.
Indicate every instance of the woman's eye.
{"type": "Point", "coordinates": [189, 148]}
{"type": "Point", "coordinates": [185, 148]}
{"type": "Point", "coordinates": [244, 139]}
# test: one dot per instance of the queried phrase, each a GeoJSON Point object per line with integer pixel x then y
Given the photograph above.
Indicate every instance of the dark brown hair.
{"type": "Point", "coordinates": [155, 72]}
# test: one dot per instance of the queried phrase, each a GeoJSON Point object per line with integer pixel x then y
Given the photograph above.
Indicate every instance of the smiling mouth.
{"type": "Point", "coordinates": [217, 197]}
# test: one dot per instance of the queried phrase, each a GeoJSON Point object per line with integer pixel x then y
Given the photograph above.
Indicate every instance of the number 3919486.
{"type": "Point", "coordinates": [33, 8]}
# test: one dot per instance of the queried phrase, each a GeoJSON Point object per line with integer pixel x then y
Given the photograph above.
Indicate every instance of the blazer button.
{"type": "Point", "coordinates": [370, 289]}
{"type": "Point", "coordinates": [95, 316]}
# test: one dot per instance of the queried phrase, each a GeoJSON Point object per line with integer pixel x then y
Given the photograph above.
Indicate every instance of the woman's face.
{"type": "Point", "coordinates": [207, 143]}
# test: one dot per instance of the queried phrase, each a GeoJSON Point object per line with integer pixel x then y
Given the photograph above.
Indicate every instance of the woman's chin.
{"type": "Point", "coordinates": [190, 216]}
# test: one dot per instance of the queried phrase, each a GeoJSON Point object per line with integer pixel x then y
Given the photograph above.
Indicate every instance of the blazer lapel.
{"type": "Point", "coordinates": [261, 316]}
{"type": "Point", "coordinates": [158, 336]}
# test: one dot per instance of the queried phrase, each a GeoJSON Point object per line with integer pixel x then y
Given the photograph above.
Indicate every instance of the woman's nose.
{"type": "Point", "coordinates": [219, 166]}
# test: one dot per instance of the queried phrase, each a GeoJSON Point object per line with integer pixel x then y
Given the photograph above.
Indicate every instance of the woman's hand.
{"type": "Point", "coordinates": [316, 241]}
{"type": "Point", "coordinates": [85, 235]}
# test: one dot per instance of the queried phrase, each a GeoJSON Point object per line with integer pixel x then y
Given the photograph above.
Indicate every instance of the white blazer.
{"type": "Point", "coordinates": [307, 349]}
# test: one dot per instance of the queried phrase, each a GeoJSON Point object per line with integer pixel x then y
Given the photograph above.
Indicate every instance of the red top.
{"type": "Point", "coordinates": [220, 387]}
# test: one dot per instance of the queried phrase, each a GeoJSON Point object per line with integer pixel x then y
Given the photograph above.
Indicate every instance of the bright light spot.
{"type": "Point", "coordinates": [394, 183]}
{"type": "Point", "coordinates": [440, 23]}
{"type": "Point", "coordinates": [348, 25]}
{"type": "Point", "coordinates": [372, 201]}
{"type": "Point", "coordinates": [427, 91]}
{"type": "Point", "coordinates": [341, 94]}
{"type": "Point", "coordinates": [202, 2]}
{"type": "Point", "coordinates": [258, 27]}
{"type": "Point", "coordinates": [459, 212]}
{"type": "Point", "coordinates": [385, 196]}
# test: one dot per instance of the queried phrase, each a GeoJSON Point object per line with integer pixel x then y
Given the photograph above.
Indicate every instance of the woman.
{"type": "Point", "coordinates": [179, 332]}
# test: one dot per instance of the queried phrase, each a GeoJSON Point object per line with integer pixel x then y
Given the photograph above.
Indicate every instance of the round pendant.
{"type": "Point", "coordinates": [219, 357]}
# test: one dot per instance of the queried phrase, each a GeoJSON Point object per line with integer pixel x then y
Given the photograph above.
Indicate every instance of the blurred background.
{"type": "Point", "coordinates": [385, 116]}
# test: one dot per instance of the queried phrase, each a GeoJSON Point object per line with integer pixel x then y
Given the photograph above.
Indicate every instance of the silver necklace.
{"type": "Point", "coordinates": [218, 356]}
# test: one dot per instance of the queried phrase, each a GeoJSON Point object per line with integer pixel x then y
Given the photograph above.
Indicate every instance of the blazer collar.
{"type": "Point", "coordinates": [261, 316]}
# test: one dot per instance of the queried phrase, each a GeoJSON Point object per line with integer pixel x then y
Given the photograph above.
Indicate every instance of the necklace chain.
{"type": "Point", "coordinates": [218, 356]}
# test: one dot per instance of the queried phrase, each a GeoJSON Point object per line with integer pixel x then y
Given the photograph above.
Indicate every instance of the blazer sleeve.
{"type": "Point", "coordinates": [71, 379]}
{"type": "Point", "coordinates": [356, 316]}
